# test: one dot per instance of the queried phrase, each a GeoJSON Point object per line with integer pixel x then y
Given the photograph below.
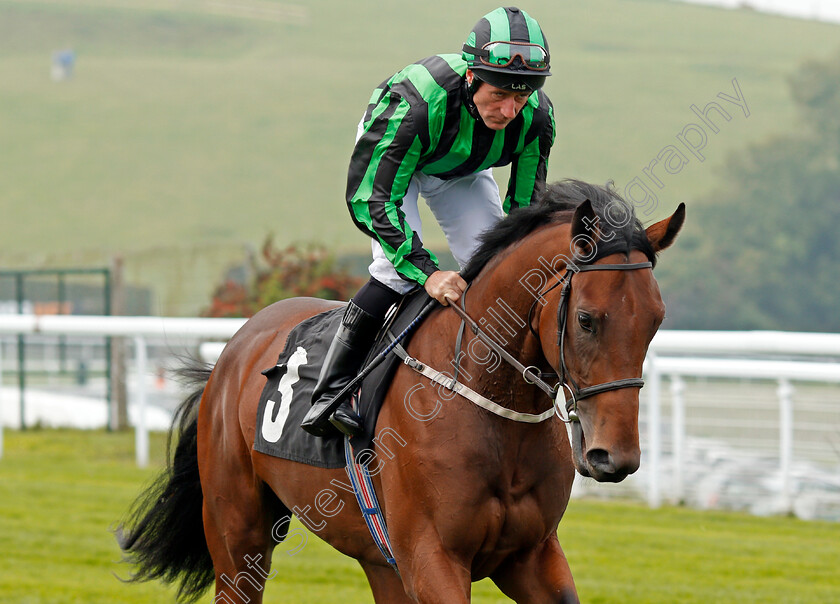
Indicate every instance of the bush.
{"type": "Point", "coordinates": [284, 273]}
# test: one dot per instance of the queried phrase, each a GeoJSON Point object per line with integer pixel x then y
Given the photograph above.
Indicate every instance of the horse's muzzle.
{"type": "Point", "coordinates": [600, 464]}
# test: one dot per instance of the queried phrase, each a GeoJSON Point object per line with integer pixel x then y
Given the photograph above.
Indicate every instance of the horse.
{"type": "Point", "coordinates": [466, 494]}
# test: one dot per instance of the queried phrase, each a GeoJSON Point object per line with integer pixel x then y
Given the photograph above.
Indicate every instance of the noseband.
{"type": "Point", "coordinates": [566, 379]}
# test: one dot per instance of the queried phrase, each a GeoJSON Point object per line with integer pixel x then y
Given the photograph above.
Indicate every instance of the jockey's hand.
{"type": "Point", "coordinates": [445, 285]}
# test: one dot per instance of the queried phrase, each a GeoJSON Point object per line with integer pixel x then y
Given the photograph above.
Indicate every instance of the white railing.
{"type": "Point", "coordinates": [746, 343]}
{"type": "Point", "coordinates": [140, 329]}
{"type": "Point", "coordinates": [677, 368]}
{"type": "Point", "coordinates": [664, 361]}
{"type": "Point", "coordinates": [77, 325]}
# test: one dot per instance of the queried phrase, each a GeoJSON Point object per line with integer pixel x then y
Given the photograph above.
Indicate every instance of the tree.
{"type": "Point", "coordinates": [762, 253]}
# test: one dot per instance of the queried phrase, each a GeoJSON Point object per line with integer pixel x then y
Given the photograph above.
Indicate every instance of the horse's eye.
{"type": "Point", "coordinates": [585, 321]}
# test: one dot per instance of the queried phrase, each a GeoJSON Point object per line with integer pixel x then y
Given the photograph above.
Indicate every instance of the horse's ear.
{"type": "Point", "coordinates": [584, 229]}
{"type": "Point", "coordinates": [663, 233]}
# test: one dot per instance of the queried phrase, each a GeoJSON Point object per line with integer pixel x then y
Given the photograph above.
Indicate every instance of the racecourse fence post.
{"type": "Point", "coordinates": [678, 434]}
{"type": "Point", "coordinates": [654, 432]}
{"type": "Point", "coordinates": [21, 350]}
{"type": "Point", "coordinates": [117, 347]}
{"type": "Point", "coordinates": [1, 399]}
{"type": "Point", "coordinates": [785, 394]}
{"type": "Point", "coordinates": [141, 434]}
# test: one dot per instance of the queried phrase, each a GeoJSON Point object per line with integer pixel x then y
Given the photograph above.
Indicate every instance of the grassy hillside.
{"type": "Point", "coordinates": [184, 126]}
{"type": "Point", "coordinates": [61, 492]}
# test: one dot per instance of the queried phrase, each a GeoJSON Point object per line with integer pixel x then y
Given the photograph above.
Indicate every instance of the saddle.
{"type": "Point", "coordinates": [286, 396]}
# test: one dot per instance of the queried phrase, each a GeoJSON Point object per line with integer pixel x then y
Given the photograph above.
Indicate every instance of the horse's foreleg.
{"type": "Point", "coordinates": [385, 584]}
{"type": "Point", "coordinates": [430, 574]}
{"type": "Point", "coordinates": [540, 576]}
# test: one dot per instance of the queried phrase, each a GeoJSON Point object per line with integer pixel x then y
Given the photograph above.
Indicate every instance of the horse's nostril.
{"type": "Point", "coordinates": [600, 460]}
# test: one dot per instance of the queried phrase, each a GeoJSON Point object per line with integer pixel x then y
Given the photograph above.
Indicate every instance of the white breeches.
{"type": "Point", "coordinates": [463, 207]}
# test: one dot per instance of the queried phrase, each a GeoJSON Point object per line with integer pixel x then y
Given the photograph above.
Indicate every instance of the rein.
{"type": "Point", "coordinates": [532, 374]}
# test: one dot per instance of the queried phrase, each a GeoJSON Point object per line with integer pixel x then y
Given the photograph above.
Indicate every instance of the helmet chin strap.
{"type": "Point", "coordinates": [470, 86]}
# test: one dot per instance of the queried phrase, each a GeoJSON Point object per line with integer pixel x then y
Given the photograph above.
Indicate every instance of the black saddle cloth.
{"type": "Point", "coordinates": [285, 399]}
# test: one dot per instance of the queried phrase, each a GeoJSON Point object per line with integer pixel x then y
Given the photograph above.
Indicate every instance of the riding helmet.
{"type": "Point", "coordinates": [507, 49]}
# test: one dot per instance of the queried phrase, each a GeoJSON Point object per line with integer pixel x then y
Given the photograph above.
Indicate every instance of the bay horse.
{"type": "Point", "coordinates": [466, 494]}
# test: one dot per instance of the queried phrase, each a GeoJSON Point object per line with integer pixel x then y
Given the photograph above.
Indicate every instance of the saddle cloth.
{"type": "Point", "coordinates": [285, 399]}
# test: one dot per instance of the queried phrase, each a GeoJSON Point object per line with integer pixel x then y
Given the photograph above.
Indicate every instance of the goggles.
{"type": "Point", "coordinates": [502, 54]}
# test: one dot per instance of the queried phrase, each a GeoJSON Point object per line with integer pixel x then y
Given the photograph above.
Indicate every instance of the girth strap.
{"type": "Point", "coordinates": [365, 492]}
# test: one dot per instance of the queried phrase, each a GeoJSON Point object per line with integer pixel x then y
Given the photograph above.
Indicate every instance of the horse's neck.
{"type": "Point", "coordinates": [500, 300]}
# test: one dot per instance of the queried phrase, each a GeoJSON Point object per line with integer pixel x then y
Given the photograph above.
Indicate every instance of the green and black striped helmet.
{"type": "Point", "coordinates": [507, 49]}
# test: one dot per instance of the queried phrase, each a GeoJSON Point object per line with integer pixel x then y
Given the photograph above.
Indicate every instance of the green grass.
{"type": "Point", "coordinates": [62, 491]}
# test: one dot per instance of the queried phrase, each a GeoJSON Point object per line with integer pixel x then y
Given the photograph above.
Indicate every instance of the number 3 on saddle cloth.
{"type": "Point", "coordinates": [286, 396]}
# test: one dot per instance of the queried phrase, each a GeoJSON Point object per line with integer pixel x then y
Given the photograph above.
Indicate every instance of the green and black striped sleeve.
{"type": "Point", "coordinates": [529, 169]}
{"type": "Point", "coordinates": [397, 132]}
{"type": "Point", "coordinates": [383, 162]}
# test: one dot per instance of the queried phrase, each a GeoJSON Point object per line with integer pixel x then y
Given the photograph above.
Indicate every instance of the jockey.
{"type": "Point", "coordinates": [436, 129]}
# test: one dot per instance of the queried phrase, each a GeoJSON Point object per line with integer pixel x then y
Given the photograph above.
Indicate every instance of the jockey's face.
{"type": "Point", "coordinates": [496, 106]}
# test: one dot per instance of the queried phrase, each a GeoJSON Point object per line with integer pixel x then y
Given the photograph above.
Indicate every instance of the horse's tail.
{"type": "Point", "coordinates": [163, 535]}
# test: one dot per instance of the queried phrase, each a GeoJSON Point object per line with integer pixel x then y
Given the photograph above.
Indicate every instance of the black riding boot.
{"type": "Point", "coordinates": [347, 352]}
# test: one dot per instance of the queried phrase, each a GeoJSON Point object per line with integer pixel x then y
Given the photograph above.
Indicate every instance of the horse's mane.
{"type": "Point", "coordinates": [556, 205]}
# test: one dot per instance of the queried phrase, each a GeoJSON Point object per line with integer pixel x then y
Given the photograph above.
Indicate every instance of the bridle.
{"type": "Point", "coordinates": [566, 379]}
{"type": "Point", "coordinates": [531, 374]}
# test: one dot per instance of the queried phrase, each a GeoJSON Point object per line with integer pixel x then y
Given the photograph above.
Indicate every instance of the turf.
{"type": "Point", "coordinates": [62, 491]}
